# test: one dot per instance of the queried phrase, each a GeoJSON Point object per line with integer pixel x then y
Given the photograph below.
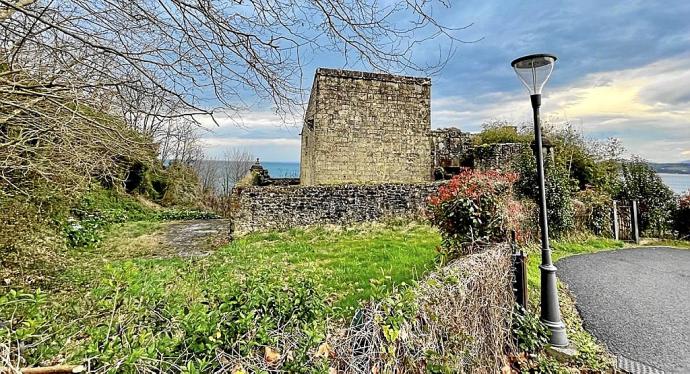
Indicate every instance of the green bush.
{"type": "Point", "coordinates": [152, 317]}
{"type": "Point", "coordinates": [559, 190]}
{"type": "Point", "coordinates": [530, 334]}
{"type": "Point", "coordinates": [656, 200]}
{"type": "Point", "coordinates": [501, 132]}
{"type": "Point", "coordinates": [681, 218]}
{"type": "Point", "coordinates": [180, 186]}
{"type": "Point", "coordinates": [83, 233]}
{"type": "Point", "coordinates": [595, 212]}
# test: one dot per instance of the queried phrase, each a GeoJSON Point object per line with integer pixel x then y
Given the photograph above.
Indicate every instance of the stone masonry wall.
{"type": "Point", "coordinates": [450, 147]}
{"type": "Point", "coordinates": [366, 128]}
{"type": "Point", "coordinates": [498, 156]}
{"type": "Point", "coordinates": [281, 207]}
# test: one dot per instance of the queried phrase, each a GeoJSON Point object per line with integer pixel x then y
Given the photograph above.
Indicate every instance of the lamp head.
{"type": "Point", "coordinates": [534, 70]}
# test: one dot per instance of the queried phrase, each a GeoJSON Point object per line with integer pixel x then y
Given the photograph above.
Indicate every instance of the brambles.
{"type": "Point", "coordinates": [594, 212]}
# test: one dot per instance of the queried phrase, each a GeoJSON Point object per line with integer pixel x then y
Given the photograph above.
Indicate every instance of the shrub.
{"type": "Point", "coordinates": [181, 186]}
{"type": "Point", "coordinates": [501, 132]}
{"type": "Point", "coordinates": [559, 188]}
{"type": "Point", "coordinates": [656, 200]}
{"type": "Point", "coordinates": [681, 218]}
{"type": "Point", "coordinates": [473, 208]}
{"type": "Point", "coordinates": [83, 233]}
{"type": "Point", "coordinates": [594, 212]}
{"type": "Point", "coordinates": [530, 334]}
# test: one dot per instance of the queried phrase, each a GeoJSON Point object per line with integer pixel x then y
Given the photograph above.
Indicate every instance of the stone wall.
{"type": "Point", "coordinates": [498, 156]}
{"type": "Point", "coordinates": [451, 147]}
{"type": "Point", "coordinates": [366, 128]}
{"type": "Point", "coordinates": [280, 207]}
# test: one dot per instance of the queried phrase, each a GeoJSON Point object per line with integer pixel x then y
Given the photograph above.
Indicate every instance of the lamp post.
{"type": "Point", "coordinates": [534, 71]}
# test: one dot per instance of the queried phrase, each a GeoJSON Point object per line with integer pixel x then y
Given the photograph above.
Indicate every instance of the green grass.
{"type": "Point", "coordinates": [122, 300]}
{"type": "Point", "coordinates": [668, 243]}
{"type": "Point", "coordinates": [344, 261]}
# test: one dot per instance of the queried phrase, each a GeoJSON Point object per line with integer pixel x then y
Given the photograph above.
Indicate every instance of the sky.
{"type": "Point", "coordinates": [623, 71]}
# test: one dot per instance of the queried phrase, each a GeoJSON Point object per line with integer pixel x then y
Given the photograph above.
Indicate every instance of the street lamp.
{"type": "Point", "coordinates": [534, 71]}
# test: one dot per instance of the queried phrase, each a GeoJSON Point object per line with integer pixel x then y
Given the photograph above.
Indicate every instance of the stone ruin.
{"type": "Point", "coordinates": [367, 152]}
{"type": "Point", "coordinates": [366, 128]}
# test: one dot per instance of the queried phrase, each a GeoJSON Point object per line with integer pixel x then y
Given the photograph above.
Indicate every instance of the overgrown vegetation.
{"type": "Point", "coordinates": [268, 294]}
{"type": "Point", "coordinates": [656, 200]}
{"type": "Point", "coordinates": [681, 219]}
{"type": "Point", "coordinates": [584, 176]}
{"type": "Point", "coordinates": [476, 208]}
{"type": "Point", "coordinates": [473, 208]}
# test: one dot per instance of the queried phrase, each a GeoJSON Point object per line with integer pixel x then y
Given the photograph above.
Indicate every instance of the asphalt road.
{"type": "Point", "coordinates": [637, 301]}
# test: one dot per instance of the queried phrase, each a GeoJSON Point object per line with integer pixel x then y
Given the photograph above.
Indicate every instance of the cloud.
{"type": "Point", "coordinates": [646, 107]}
{"type": "Point", "coordinates": [264, 134]}
{"type": "Point", "coordinates": [275, 149]}
{"type": "Point", "coordinates": [249, 142]}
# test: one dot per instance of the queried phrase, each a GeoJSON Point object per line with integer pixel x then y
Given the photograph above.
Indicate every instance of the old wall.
{"type": "Point", "coordinates": [451, 147]}
{"type": "Point", "coordinates": [280, 207]}
{"type": "Point", "coordinates": [498, 156]}
{"type": "Point", "coordinates": [367, 128]}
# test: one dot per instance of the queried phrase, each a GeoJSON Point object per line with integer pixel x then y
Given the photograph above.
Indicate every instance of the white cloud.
{"type": "Point", "coordinates": [249, 142]}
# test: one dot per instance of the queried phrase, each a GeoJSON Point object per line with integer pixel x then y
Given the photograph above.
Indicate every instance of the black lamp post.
{"type": "Point", "coordinates": [534, 71]}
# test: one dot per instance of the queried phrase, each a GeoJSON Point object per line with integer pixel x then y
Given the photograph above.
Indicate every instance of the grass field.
{"type": "Point", "coordinates": [124, 302]}
{"type": "Point", "coordinates": [344, 261]}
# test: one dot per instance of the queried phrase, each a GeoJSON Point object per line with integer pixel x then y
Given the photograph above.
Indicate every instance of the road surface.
{"type": "Point", "coordinates": [636, 301]}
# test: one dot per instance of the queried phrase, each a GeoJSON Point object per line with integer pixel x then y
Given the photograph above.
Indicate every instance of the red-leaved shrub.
{"type": "Point", "coordinates": [477, 207]}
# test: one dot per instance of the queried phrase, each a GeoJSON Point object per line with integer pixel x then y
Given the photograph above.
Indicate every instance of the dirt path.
{"type": "Point", "coordinates": [195, 238]}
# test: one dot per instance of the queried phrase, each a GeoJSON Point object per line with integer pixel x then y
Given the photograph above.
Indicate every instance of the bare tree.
{"type": "Point", "coordinates": [209, 174]}
{"type": "Point", "coordinates": [180, 51]}
{"type": "Point", "coordinates": [237, 163]}
{"type": "Point", "coordinates": [87, 67]}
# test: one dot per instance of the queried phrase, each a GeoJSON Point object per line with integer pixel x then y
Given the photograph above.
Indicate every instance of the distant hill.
{"type": "Point", "coordinates": [672, 168]}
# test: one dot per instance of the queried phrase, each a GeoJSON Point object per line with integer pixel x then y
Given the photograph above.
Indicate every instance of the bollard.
{"type": "Point", "coordinates": [635, 227]}
{"type": "Point", "coordinates": [519, 273]}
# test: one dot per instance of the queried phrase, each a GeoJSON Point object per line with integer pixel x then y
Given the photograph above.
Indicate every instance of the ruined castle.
{"type": "Point", "coordinates": [366, 128]}
{"type": "Point", "coordinates": [367, 151]}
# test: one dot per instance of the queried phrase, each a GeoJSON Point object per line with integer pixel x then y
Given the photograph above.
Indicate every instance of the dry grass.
{"type": "Point", "coordinates": [461, 323]}
{"type": "Point", "coordinates": [456, 320]}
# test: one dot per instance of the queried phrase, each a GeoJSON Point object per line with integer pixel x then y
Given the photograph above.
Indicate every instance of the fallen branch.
{"type": "Point", "coordinates": [58, 369]}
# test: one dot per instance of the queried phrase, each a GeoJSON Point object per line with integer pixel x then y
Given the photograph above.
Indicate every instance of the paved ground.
{"type": "Point", "coordinates": [637, 301]}
{"type": "Point", "coordinates": [196, 238]}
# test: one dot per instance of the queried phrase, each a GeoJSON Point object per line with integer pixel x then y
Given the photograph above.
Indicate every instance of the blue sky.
{"type": "Point", "coordinates": [623, 71]}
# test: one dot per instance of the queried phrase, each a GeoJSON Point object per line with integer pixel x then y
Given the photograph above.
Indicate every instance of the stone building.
{"type": "Point", "coordinates": [366, 128]}
{"type": "Point", "coordinates": [451, 149]}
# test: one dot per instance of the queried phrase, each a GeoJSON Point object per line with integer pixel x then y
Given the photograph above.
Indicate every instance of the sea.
{"type": "Point", "coordinates": [679, 183]}
{"type": "Point", "coordinates": [282, 169]}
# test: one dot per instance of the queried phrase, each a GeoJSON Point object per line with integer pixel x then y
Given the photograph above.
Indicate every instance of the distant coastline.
{"type": "Point", "coordinates": [671, 168]}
